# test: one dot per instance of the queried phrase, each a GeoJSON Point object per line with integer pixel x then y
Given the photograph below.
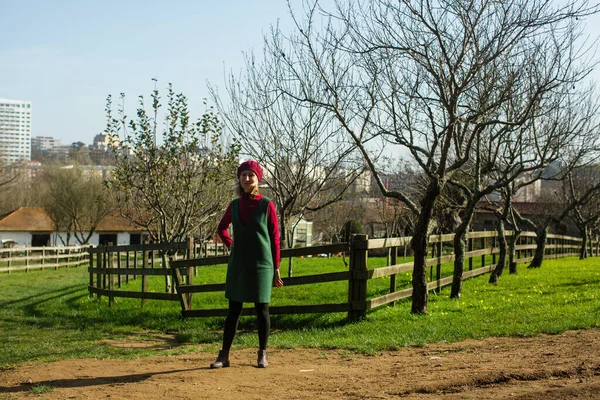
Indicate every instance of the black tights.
{"type": "Point", "coordinates": [233, 317]}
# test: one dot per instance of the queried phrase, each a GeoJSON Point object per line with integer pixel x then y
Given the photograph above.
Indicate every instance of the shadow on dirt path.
{"type": "Point", "coordinates": [544, 367]}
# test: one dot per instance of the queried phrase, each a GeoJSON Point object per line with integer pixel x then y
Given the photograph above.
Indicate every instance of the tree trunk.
{"type": "Point", "coordinates": [540, 249]}
{"type": "Point", "coordinates": [583, 230]}
{"type": "Point", "coordinates": [165, 266]}
{"type": "Point", "coordinates": [512, 252]}
{"type": "Point", "coordinates": [420, 244]}
{"type": "Point", "coordinates": [497, 272]}
{"type": "Point", "coordinates": [460, 244]}
{"type": "Point", "coordinates": [283, 238]}
{"type": "Point", "coordinates": [282, 228]}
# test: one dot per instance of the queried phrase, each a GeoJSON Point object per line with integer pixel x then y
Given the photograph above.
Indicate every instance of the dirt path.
{"type": "Point", "coordinates": [544, 367]}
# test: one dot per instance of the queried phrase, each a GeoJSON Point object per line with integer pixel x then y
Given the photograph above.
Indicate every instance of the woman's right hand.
{"type": "Point", "coordinates": [277, 282]}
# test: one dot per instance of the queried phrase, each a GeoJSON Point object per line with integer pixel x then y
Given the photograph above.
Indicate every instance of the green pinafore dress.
{"type": "Point", "coordinates": [250, 269]}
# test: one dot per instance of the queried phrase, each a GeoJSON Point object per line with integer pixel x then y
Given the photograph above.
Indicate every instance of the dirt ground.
{"type": "Point", "coordinates": [545, 367]}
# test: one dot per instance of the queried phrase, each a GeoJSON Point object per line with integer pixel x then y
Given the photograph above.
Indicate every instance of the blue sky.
{"type": "Point", "coordinates": [67, 56]}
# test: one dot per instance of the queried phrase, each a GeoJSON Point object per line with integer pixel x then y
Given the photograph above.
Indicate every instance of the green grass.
{"type": "Point", "coordinates": [42, 389]}
{"type": "Point", "coordinates": [48, 315]}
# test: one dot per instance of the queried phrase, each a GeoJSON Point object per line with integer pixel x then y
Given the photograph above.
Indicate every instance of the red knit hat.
{"type": "Point", "coordinates": [252, 166]}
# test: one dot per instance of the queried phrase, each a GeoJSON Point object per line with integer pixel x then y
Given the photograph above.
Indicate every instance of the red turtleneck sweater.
{"type": "Point", "coordinates": [246, 207]}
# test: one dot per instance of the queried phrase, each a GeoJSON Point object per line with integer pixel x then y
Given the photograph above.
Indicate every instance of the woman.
{"type": "Point", "coordinates": [254, 261]}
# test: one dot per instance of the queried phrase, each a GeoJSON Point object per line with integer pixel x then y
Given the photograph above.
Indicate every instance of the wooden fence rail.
{"type": "Point", "coordinates": [481, 245]}
{"type": "Point", "coordinates": [31, 258]}
{"type": "Point", "coordinates": [111, 266]}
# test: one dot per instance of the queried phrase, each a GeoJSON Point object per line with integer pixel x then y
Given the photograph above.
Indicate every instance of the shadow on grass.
{"type": "Point", "coordinates": [578, 284]}
{"type": "Point", "coordinates": [39, 311]}
{"type": "Point", "coordinates": [43, 296]}
{"type": "Point", "coordinates": [296, 322]}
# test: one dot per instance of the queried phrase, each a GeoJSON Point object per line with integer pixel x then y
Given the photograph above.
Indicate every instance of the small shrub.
{"type": "Point", "coordinates": [350, 228]}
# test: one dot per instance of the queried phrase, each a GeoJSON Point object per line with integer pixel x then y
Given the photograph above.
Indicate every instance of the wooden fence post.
{"type": "Point", "coordinates": [144, 276]}
{"type": "Point", "coordinates": [483, 255]}
{"type": "Point", "coordinates": [135, 262]}
{"type": "Point", "coordinates": [470, 248]}
{"type": "Point", "coordinates": [561, 246]}
{"type": "Point", "coordinates": [104, 266]}
{"type": "Point", "coordinates": [99, 264]}
{"type": "Point", "coordinates": [190, 270]}
{"type": "Point", "coordinates": [357, 285]}
{"type": "Point", "coordinates": [91, 256]}
{"type": "Point", "coordinates": [393, 261]}
{"type": "Point", "coordinates": [433, 249]}
{"type": "Point", "coordinates": [119, 276]}
{"type": "Point", "coordinates": [111, 278]}
{"type": "Point", "coordinates": [127, 266]}
{"type": "Point", "coordinates": [438, 267]}
{"type": "Point", "coordinates": [494, 244]}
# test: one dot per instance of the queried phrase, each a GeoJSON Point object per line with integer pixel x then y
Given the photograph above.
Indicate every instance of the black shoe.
{"type": "Point", "coordinates": [262, 359]}
{"type": "Point", "coordinates": [222, 360]}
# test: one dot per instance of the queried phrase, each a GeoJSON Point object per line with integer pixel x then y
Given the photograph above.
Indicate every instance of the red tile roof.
{"type": "Point", "coordinates": [27, 219]}
{"type": "Point", "coordinates": [36, 219]}
{"type": "Point", "coordinates": [115, 222]}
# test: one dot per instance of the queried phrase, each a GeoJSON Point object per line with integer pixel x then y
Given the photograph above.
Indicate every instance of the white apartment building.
{"type": "Point", "coordinates": [15, 130]}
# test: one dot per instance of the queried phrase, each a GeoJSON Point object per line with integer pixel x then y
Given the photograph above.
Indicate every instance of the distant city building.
{"type": "Point", "coordinates": [15, 130]}
{"type": "Point", "coordinates": [61, 152]}
{"type": "Point", "coordinates": [101, 142]}
{"type": "Point", "coordinates": [530, 193]}
{"type": "Point", "coordinates": [44, 143]}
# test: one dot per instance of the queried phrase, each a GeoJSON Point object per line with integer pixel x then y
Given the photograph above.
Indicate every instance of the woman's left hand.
{"type": "Point", "coordinates": [277, 282]}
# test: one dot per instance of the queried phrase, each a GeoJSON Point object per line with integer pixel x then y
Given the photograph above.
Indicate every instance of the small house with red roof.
{"type": "Point", "coordinates": [33, 227]}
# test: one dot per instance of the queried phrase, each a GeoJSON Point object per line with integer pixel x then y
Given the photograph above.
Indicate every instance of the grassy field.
{"type": "Point", "coordinates": [48, 315]}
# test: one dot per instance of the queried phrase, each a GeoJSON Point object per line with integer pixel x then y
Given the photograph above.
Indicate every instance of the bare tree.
{"type": "Point", "coordinates": [587, 214]}
{"type": "Point", "coordinates": [505, 214]}
{"type": "Point", "coordinates": [566, 132]}
{"type": "Point", "coordinates": [434, 77]}
{"type": "Point", "coordinates": [328, 222]}
{"type": "Point", "coordinates": [76, 201]}
{"type": "Point", "coordinates": [308, 162]}
{"type": "Point", "coordinates": [8, 176]}
{"type": "Point", "coordinates": [23, 187]}
{"type": "Point", "coordinates": [564, 206]}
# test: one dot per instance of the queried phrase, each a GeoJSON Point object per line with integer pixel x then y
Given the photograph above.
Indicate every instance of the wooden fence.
{"type": "Point", "coordinates": [111, 266]}
{"type": "Point", "coordinates": [28, 258]}
{"type": "Point", "coordinates": [184, 267]}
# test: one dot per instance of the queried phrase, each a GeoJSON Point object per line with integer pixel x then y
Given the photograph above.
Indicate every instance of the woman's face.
{"type": "Point", "coordinates": [248, 180]}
